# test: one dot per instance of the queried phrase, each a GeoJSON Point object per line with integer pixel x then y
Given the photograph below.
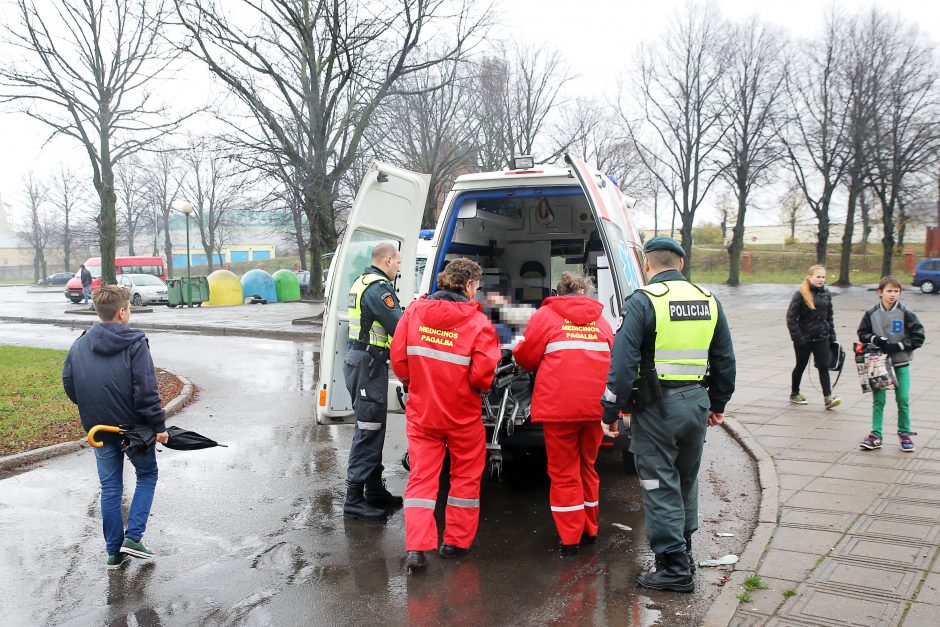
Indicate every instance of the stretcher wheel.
{"type": "Point", "coordinates": [496, 468]}
{"type": "Point", "coordinates": [406, 461]}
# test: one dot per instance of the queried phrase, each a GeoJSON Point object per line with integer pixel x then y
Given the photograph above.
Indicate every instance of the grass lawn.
{"type": "Point", "coordinates": [34, 410]}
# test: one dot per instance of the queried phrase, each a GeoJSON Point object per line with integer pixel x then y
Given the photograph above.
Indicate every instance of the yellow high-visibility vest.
{"type": "Point", "coordinates": [377, 335]}
{"type": "Point", "coordinates": [686, 316]}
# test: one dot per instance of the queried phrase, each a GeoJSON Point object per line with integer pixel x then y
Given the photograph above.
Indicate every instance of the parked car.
{"type": "Point", "coordinates": [927, 275]}
{"type": "Point", "coordinates": [122, 265]}
{"type": "Point", "coordinates": [303, 277]}
{"type": "Point", "coordinates": [144, 288]}
{"type": "Point", "coordinates": [59, 278]}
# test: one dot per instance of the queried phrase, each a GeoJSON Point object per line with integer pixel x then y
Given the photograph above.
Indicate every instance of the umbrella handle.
{"type": "Point", "coordinates": [96, 429]}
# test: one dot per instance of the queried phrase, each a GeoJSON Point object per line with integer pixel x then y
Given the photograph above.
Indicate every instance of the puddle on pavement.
{"type": "Point", "coordinates": [645, 612]}
{"type": "Point", "coordinates": [308, 361]}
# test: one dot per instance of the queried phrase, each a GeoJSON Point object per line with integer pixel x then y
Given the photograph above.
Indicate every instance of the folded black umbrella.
{"type": "Point", "coordinates": [183, 440]}
{"type": "Point", "coordinates": [137, 439]}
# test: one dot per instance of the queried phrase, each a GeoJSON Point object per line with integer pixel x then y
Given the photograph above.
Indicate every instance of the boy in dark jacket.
{"type": "Point", "coordinates": [110, 376]}
{"type": "Point", "coordinates": [896, 331]}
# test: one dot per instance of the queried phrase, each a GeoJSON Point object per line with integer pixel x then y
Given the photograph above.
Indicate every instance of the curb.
{"type": "Point", "coordinates": [37, 455]}
{"type": "Point", "coordinates": [723, 608]}
{"type": "Point", "coordinates": [307, 334]}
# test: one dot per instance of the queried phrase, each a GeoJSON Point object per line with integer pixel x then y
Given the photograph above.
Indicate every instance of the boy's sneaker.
{"type": "Point", "coordinates": [136, 549]}
{"type": "Point", "coordinates": [798, 399]}
{"type": "Point", "coordinates": [116, 561]}
{"type": "Point", "coordinates": [871, 442]}
{"type": "Point", "coordinates": [907, 444]}
{"type": "Point", "coordinates": [832, 401]}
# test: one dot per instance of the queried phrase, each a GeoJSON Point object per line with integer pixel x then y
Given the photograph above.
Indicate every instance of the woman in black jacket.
{"type": "Point", "coordinates": [809, 319]}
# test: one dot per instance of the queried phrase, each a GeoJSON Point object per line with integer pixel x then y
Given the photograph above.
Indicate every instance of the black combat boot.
{"type": "Point", "coordinates": [671, 573]}
{"type": "Point", "coordinates": [377, 494]}
{"type": "Point", "coordinates": [415, 561]}
{"type": "Point", "coordinates": [356, 505]}
{"type": "Point", "coordinates": [688, 553]}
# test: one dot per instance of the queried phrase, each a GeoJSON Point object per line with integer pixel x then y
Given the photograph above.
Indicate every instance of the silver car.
{"type": "Point", "coordinates": [144, 288]}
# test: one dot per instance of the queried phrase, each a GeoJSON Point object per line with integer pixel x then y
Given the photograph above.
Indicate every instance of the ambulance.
{"type": "Point", "coordinates": [524, 226]}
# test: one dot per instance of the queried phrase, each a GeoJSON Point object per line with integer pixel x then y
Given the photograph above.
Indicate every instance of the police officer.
{"type": "Point", "coordinates": [675, 348]}
{"type": "Point", "coordinates": [374, 312]}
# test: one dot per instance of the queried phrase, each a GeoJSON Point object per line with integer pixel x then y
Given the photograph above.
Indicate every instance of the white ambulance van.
{"type": "Point", "coordinates": [523, 226]}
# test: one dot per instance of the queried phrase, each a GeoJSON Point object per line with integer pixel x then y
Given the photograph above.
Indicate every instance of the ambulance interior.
{"type": "Point", "coordinates": [524, 239]}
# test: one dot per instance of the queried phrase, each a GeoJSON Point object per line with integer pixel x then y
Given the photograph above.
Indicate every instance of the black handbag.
{"type": "Point", "coordinates": [836, 360]}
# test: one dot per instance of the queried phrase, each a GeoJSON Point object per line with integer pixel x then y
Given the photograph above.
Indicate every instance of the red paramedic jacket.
{"type": "Point", "coordinates": [446, 353]}
{"type": "Point", "coordinates": [569, 342]}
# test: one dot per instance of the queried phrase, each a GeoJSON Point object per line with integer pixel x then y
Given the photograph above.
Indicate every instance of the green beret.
{"type": "Point", "coordinates": [664, 243]}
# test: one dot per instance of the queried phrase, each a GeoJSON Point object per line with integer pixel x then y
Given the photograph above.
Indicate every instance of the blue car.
{"type": "Point", "coordinates": [927, 275]}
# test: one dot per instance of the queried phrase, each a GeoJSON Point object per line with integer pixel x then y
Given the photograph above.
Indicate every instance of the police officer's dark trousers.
{"type": "Point", "coordinates": [667, 450]}
{"type": "Point", "coordinates": [367, 381]}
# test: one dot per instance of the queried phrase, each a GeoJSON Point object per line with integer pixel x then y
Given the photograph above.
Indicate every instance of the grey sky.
{"type": "Point", "coordinates": [596, 37]}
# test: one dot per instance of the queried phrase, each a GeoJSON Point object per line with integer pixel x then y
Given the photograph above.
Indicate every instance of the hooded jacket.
{"type": "Point", "coordinates": [811, 325]}
{"type": "Point", "coordinates": [109, 374]}
{"type": "Point", "coordinates": [568, 341]}
{"type": "Point", "coordinates": [445, 352]}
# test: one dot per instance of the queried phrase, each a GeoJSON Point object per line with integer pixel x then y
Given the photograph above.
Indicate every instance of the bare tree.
{"type": "Point", "coordinates": [162, 182]}
{"type": "Point", "coordinates": [751, 144]}
{"type": "Point", "coordinates": [132, 201]}
{"type": "Point", "coordinates": [215, 188]}
{"type": "Point", "coordinates": [39, 227]}
{"type": "Point", "coordinates": [792, 208]}
{"type": "Point", "coordinates": [86, 70]}
{"type": "Point", "coordinates": [69, 197]}
{"type": "Point", "coordinates": [683, 117]}
{"type": "Point", "coordinates": [321, 68]}
{"type": "Point", "coordinates": [516, 91]}
{"type": "Point", "coordinates": [590, 130]}
{"type": "Point", "coordinates": [726, 211]}
{"type": "Point", "coordinates": [429, 130]}
{"type": "Point", "coordinates": [905, 119]}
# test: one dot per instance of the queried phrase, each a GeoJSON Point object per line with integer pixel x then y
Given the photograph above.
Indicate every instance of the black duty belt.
{"type": "Point", "coordinates": [669, 391]}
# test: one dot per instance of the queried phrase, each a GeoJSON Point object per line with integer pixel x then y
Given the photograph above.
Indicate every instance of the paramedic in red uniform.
{"type": "Point", "coordinates": [445, 351]}
{"type": "Point", "coordinates": [568, 342]}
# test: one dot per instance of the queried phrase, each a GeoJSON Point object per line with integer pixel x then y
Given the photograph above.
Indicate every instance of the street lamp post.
{"type": "Point", "coordinates": [187, 208]}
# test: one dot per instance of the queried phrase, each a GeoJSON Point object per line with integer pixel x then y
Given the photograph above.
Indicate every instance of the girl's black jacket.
{"type": "Point", "coordinates": [811, 325]}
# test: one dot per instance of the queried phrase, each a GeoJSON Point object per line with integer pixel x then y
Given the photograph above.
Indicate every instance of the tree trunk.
{"type": "Point", "coordinates": [656, 214]}
{"type": "Point", "coordinates": [312, 208]}
{"type": "Point", "coordinates": [887, 239]}
{"type": "Point", "coordinates": [866, 221]}
{"type": "Point", "coordinates": [167, 244]}
{"type": "Point", "coordinates": [822, 241]}
{"type": "Point", "coordinates": [736, 246]}
{"type": "Point", "coordinates": [687, 244]}
{"type": "Point", "coordinates": [130, 233]}
{"type": "Point", "coordinates": [66, 244]}
{"type": "Point", "coordinates": [299, 235]}
{"type": "Point", "coordinates": [845, 259]}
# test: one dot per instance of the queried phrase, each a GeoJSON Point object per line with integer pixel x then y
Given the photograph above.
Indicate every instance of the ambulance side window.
{"type": "Point", "coordinates": [358, 258]}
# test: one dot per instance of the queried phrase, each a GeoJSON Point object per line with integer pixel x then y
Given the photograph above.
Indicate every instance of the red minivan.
{"type": "Point", "coordinates": [123, 265]}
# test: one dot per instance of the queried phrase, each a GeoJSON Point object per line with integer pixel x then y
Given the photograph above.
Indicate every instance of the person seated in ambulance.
{"type": "Point", "coordinates": [445, 351]}
{"type": "Point", "coordinates": [569, 342]}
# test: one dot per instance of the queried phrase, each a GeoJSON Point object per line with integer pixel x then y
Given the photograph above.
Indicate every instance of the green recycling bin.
{"type": "Point", "coordinates": [178, 291]}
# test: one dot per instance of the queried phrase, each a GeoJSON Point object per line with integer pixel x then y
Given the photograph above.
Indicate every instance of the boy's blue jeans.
{"type": "Point", "coordinates": [86, 293]}
{"type": "Point", "coordinates": [110, 460]}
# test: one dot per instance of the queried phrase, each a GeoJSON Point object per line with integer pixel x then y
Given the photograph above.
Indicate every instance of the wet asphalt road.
{"type": "Point", "coordinates": [254, 533]}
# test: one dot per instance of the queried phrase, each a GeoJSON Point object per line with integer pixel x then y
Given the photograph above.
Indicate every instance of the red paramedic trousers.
{"type": "Point", "coordinates": [572, 450]}
{"type": "Point", "coordinates": [467, 446]}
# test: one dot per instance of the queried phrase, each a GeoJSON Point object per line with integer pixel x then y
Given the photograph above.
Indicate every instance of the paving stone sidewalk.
{"type": "Point", "coordinates": [858, 531]}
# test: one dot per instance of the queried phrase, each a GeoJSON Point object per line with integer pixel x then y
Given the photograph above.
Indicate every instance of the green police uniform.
{"type": "Point", "coordinates": [681, 330]}
{"type": "Point", "coordinates": [374, 312]}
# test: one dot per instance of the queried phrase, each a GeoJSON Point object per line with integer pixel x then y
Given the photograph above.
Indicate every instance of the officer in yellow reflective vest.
{"type": "Point", "coordinates": [673, 367]}
{"type": "Point", "coordinates": [374, 312]}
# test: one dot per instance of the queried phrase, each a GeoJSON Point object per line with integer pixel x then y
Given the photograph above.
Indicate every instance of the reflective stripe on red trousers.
{"type": "Point", "coordinates": [467, 446]}
{"type": "Point", "coordinates": [572, 451]}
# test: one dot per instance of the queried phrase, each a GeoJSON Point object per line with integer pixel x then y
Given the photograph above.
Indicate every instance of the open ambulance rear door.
{"type": "Point", "coordinates": [621, 240]}
{"type": "Point", "coordinates": [388, 208]}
